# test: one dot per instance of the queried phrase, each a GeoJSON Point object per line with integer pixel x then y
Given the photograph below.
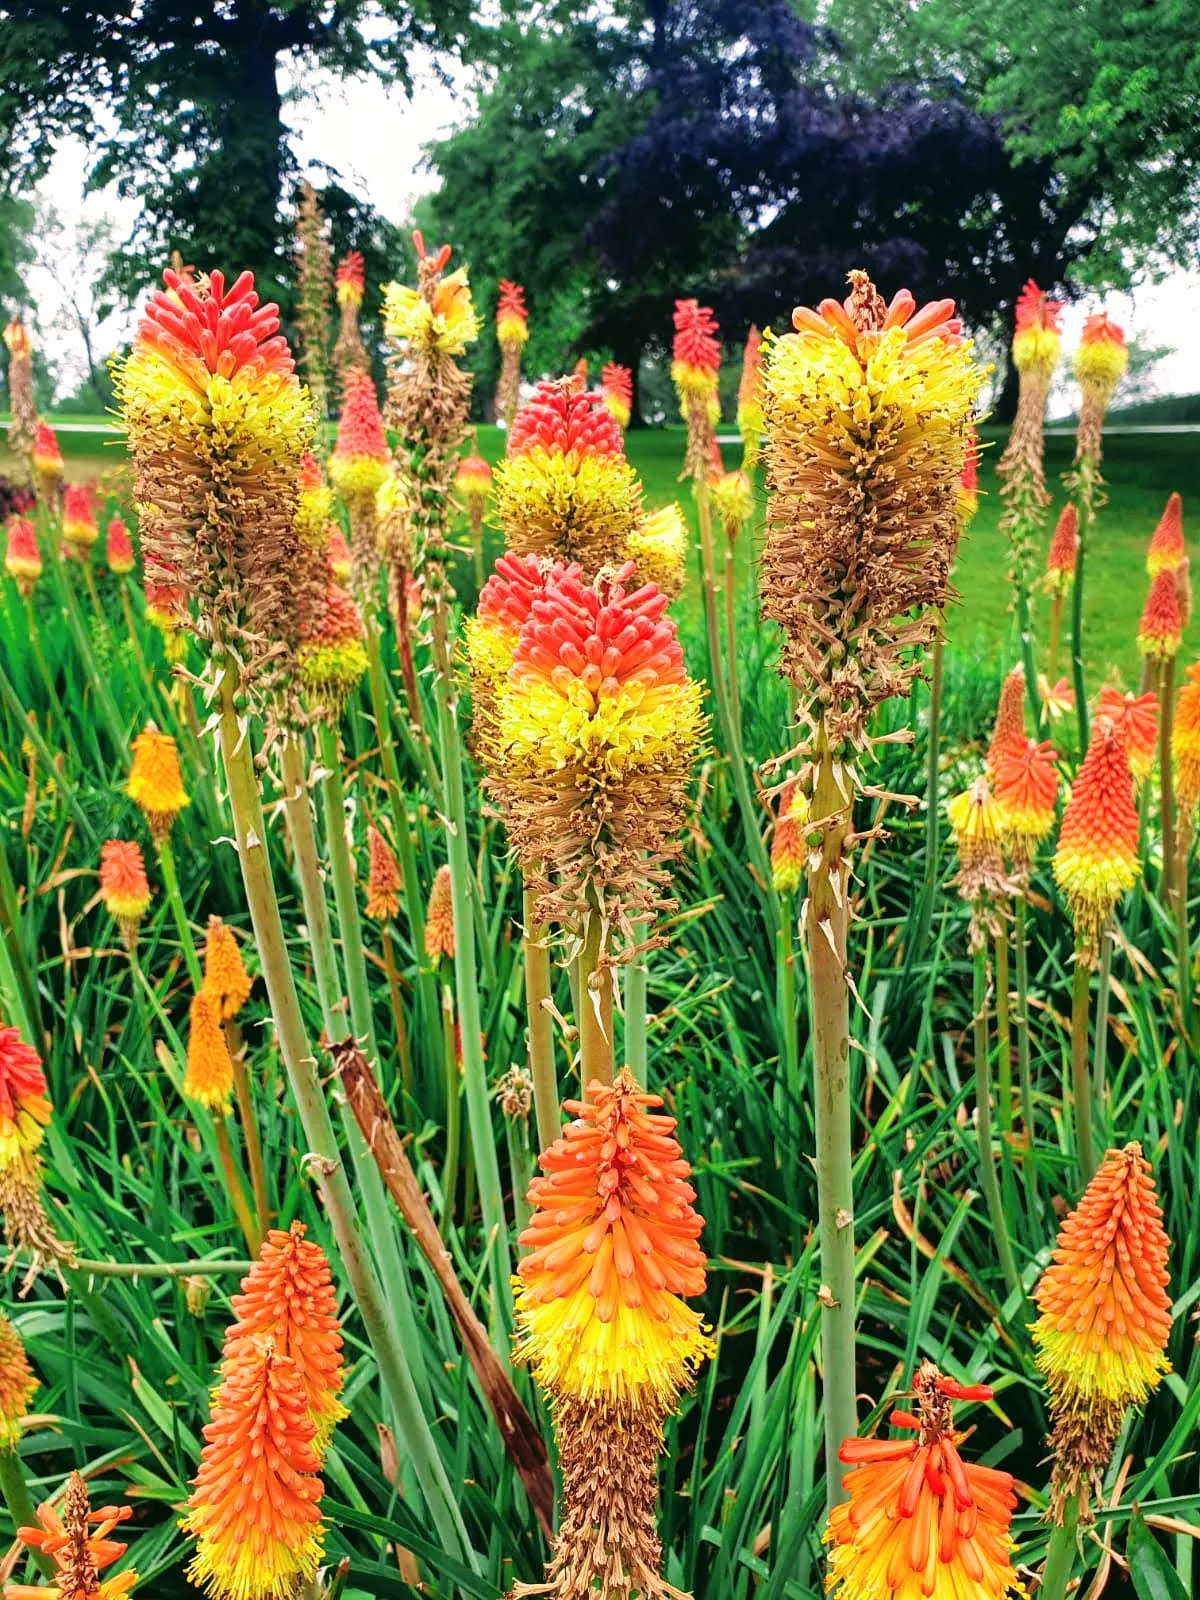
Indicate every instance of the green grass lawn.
{"type": "Point", "coordinates": [1142, 470]}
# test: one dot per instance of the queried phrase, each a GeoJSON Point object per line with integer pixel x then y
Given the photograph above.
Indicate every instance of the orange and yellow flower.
{"type": "Point", "coordinates": [968, 485]}
{"type": "Point", "coordinates": [383, 877]}
{"type": "Point", "coordinates": [921, 1523]}
{"type": "Point", "coordinates": [616, 391]}
{"type": "Point", "coordinates": [155, 782]}
{"type": "Point", "coordinates": [473, 478]}
{"type": "Point", "coordinates": [208, 1078]}
{"type": "Point", "coordinates": [445, 324]}
{"type": "Point", "coordinates": [1135, 717]}
{"type": "Point", "coordinates": [1063, 552]}
{"type": "Point", "coordinates": [78, 518]}
{"type": "Point", "coordinates": [512, 318]}
{"type": "Point", "coordinates": [1058, 698]}
{"type": "Point", "coordinates": [750, 421]}
{"type": "Point", "coordinates": [439, 919]}
{"type": "Point", "coordinates": [124, 887]}
{"type": "Point", "coordinates": [47, 456]}
{"type": "Point", "coordinates": [602, 1311]}
{"type": "Point", "coordinates": [349, 281]}
{"type": "Point", "coordinates": [17, 1385]}
{"type": "Point", "coordinates": [1036, 342]}
{"type": "Point", "coordinates": [332, 656]}
{"type": "Point", "coordinates": [1185, 741]}
{"type": "Point", "coordinates": [80, 1545]}
{"type": "Point", "coordinates": [359, 462]}
{"type": "Point", "coordinates": [565, 488]}
{"type": "Point", "coordinates": [25, 1112]}
{"type": "Point", "coordinates": [1096, 861]}
{"type": "Point", "coordinates": [338, 552]}
{"type": "Point", "coordinates": [1166, 550]}
{"type": "Point", "coordinates": [733, 501]}
{"type": "Point", "coordinates": [658, 547]}
{"type": "Point", "coordinates": [314, 504]}
{"type": "Point", "coordinates": [226, 981]}
{"type": "Point", "coordinates": [695, 353]}
{"type": "Point", "coordinates": [1101, 358]}
{"type": "Point", "coordinates": [118, 547]}
{"type": "Point", "coordinates": [22, 558]}
{"type": "Point", "coordinates": [1009, 727]}
{"type": "Point", "coordinates": [789, 851]}
{"type": "Point", "coordinates": [1160, 631]}
{"type": "Point", "coordinates": [1026, 794]}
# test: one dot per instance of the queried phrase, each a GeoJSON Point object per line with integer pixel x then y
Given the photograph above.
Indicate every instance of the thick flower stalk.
{"type": "Point", "coordinates": [695, 368]}
{"type": "Point", "coordinates": [314, 294]}
{"type": "Point", "coordinates": [603, 1320]}
{"type": "Point", "coordinates": [226, 980]}
{"type": "Point", "coordinates": [124, 887]}
{"type": "Point", "coordinates": [1166, 551]}
{"type": "Point", "coordinates": [383, 878]}
{"type": "Point", "coordinates": [80, 1545]}
{"type": "Point", "coordinates": [564, 488]}
{"type": "Point", "coordinates": [79, 528]}
{"type": "Point", "coordinates": [155, 783]}
{"type": "Point", "coordinates": [789, 849]}
{"type": "Point", "coordinates": [594, 733]}
{"type": "Point", "coordinates": [920, 1521]}
{"type": "Point", "coordinates": [1135, 718]}
{"type": "Point", "coordinates": [658, 547]}
{"type": "Point", "coordinates": [1104, 1319]}
{"type": "Point", "coordinates": [1025, 795]}
{"type": "Point", "coordinates": [616, 391]}
{"type": "Point", "coordinates": [357, 467]}
{"type": "Point", "coordinates": [349, 285]}
{"type": "Point", "coordinates": [25, 1112]}
{"type": "Point", "coordinates": [23, 427]}
{"type": "Point", "coordinates": [22, 558]}
{"type": "Point", "coordinates": [47, 461]}
{"type": "Point", "coordinates": [750, 421]}
{"type": "Point", "coordinates": [217, 424]}
{"type": "Point", "coordinates": [254, 1510]}
{"type": "Point", "coordinates": [118, 548]}
{"type": "Point", "coordinates": [439, 919]}
{"type": "Point", "coordinates": [512, 332]}
{"type": "Point", "coordinates": [18, 1385]}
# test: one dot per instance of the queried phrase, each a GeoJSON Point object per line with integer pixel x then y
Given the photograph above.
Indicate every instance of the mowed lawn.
{"type": "Point", "coordinates": [1141, 471]}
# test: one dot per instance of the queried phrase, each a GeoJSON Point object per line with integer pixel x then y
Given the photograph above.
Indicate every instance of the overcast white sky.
{"type": "Point", "coordinates": [374, 138]}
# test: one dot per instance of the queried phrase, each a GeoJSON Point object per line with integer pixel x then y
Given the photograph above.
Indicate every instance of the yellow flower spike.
{"type": "Point", "coordinates": [155, 782]}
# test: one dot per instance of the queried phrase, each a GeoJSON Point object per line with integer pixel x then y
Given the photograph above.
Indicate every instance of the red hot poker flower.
{"type": "Point", "coordinates": [1167, 550]}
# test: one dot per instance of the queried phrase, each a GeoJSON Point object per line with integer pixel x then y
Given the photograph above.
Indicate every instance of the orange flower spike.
{"type": "Point", "coordinates": [1101, 358]}
{"type": "Point", "coordinates": [287, 1299]}
{"type": "Point", "coordinates": [338, 552]}
{"type": "Point", "coordinates": [696, 351]}
{"type": "Point", "coordinates": [1036, 342]}
{"type": "Point", "coordinates": [750, 421]}
{"type": "Point", "coordinates": [1026, 794]}
{"type": "Point", "coordinates": [920, 1523]}
{"type": "Point", "coordinates": [17, 1385]}
{"type": "Point", "coordinates": [1057, 698]}
{"type": "Point", "coordinates": [79, 1544]}
{"type": "Point", "coordinates": [1096, 861]}
{"type": "Point", "coordinates": [226, 980]}
{"type": "Point", "coordinates": [332, 656]}
{"type": "Point", "coordinates": [473, 479]}
{"type": "Point", "coordinates": [208, 1078]}
{"type": "Point", "coordinates": [1009, 727]}
{"type": "Point", "coordinates": [1160, 631]}
{"type": "Point", "coordinates": [968, 484]}
{"type": "Point", "coordinates": [78, 519]}
{"type": "Point", "coordinates": [1135, 717]}
{"type": "Point", "coordinates": [22, 558]}
{"type": "Point", "coordinates": [512, 318]}
{"type": "Point", "coordinates": [613, 1256]}
{"type": "Point", "coordinates": [118, 547]}
{"type": "Point", "coordinates": [1185, 741]}
{"type": "Point", "coordinates": [25, 1107]}
{"type": "Point", "coordinates": [439, 919]}
{"type": "Point", "coordinates": [383, 877]}
{"type": "Point", "coordinates": [124, 887]}
{"type": "Point", "coordinates": [359, 461]}
{"type": "Point", "coordinates": [1064, 551]}
{"type": "Point", "coordinates": [254, 1509]}
{"type": "Point", "coordinates": [349, 281]}
{"type": "Point", "coordinates": [616, 391]}
{"type": "Point", "coordinates": [155, 782]}
{"type": "Point", "coordinates": [1166, 550]}
{"type": "Point", "coordinates": [47, 457]}
{"type": "Point", "coordinates": [789, 852]}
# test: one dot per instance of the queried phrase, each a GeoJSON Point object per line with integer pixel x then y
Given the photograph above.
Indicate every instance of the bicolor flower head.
{"type": "Point", "coordinates": [1096, 861]}
{"type": "Point", "coordinates": [968, 485]}
{"type": "Point", "coordinates": [473, 479]}
{"type": "Point", "coordinates": [1026, 794]}
{"type": "Point", "coordinates": [1185, 742]}
{"type": "Point", "coordinates": [512, 319]}
{"type": "Point", "coordinates": [1101, 358]}
{"type": "Point", "coordinates": [1167, 550]}
{"type": "Point", "coordinates": [25, 1112]}
{"type": "Point", "coordinates": [733, 501]}
{"type": "Point", "coordinates": [46, 455]}
{"type": "Point", "coordinates": [78, 518]}
{"type": "Point", "coordinates": [383, 877]}
{"type": "Point", "coordinates": [333, 655]}
{"type": "Point", "coordinates": [155, 782]}
{"type": "Point", "coordinates": [613, 1257]}
{"type": "Point", "coordinates": [696, 350]}
{"type": "Point", "coordinates": [594, 734]}
{"type": "Point", "coordinates": [1009, 727]}
{"type": "Point", "coordinates": [314, 504]}
{"type": "Point", "coordinates": [749, 402]}
{"type": "Point", "coordinates": [1058, 698]}
{"type": "Point", "coordinates": [1160, 631]}
{"type": "Point", "coordinates": [17, 1385]}
{"type": "Point", "coordinates": [16, 337]}
{"type": "Point", "coordinates": [124, 887]}
{"type": "Point", "coordinates": [80, 1545]}
{"type": "Point", "coordinates": [439, 919]}
{"type": "Point", "coordinates": [921, 1523]}
{"type": "Point", "coordinates": [22, 558]}
{"type": "Point", "coordinates": [658, 547]}
{"type": "Point", "coordinates": [1104, 1314]}
{"type": "Point", "coordinates": [789, 851]}
{"type": "Point", "coordinates": [118, 547]}
{"type": "Point", "coordinates": [438, 319]}
{"type": "Point", "coordinates": [394, 521]}
{"type": "Point", "coordinates": [338, 552]}
{"type": "Point", "coordinates": [975, 825]}
{"type": "Point", "coordinates": [616, 392]}
{"type": "Point", "coordinates": [217, 423]}
{"type": "Point", "coordinates": [868, 414]}
{"type": "Point", "coordinates": [359, 462]}
{"type": "Point", "coordinates": [1135, 717]}
{"type": "Point", "coordinates": [1064, 551]}
{"type": "Point", "coordinates": [349, 281]}
{"type": "Point", "coordinates": [208, 1078]}
{"type": "Point", "coordinates": [565, 488]}
{"type": "Point", "coordinates": [1037, 341]}
{"type": "Point", "coordinates": [226, 981]}
{"type": "Point", "coordinates": [492, 634]}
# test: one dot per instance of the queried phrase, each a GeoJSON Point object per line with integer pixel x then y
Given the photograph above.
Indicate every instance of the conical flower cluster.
{"type": "Point", "coordinates": [1021, 469]}
{"type": "Point", "coordinates": [47, 460]}
{"type": "Point", "coordinates": [208, 1078]}
{"type": "Point", "coordinates": [439, 919]}
{"type": "Point", "coordinates": [254, 1510]}
{"type": "Point", "coordinates": [217, 424]}
{"type": "Point", "coordinates": [314, 292]}
{"type": "Point", "coordinates": [658, 547]}
{"type": "Point", "coordinates": [492, 634]}
{"type": "Point", "coordinates": [383, 877]}
{"type": "Point", "coordinates": [1135, 717]}
{"type": "Point", "coordinates": [118, 547]}
{"type": "Point", "coordinates": [975, 825]}
{"type": "Point", "coordinates": [25, 1112]}
{"type": "Point", "coordinates": [1160, 631]}
{"type": "Point", "coordinates": [349, 285]}
{"type": "Point", "coordinates": [616, 391]}
{"type": "Point", "coordinates": [695, 369]}
{"type": "Point", "coordinates": [733, 501]}
{"type": "Point", "coordinates": [919, 1520]}
{"type": "Point", "coordinates": [1167, 551]}
{"type": "Point", "coordinates": [1100, 362]}
{"type": "Point", "coordinates": [565, 488]}
{"type": "Point", "coordinates": [358, 466]}
{"type": "Point", "coordinates": [124, 887]}
{"type": "Point", "coordinates": [473, 480]}
{"type": "Point", "coordinates": [17, 1385]}
{"type": "Point", "coordinates": [1096, 861]}
{"type": "Point", "coordinates": [314, 504]}
{"type": "Point", "coordinates": [512, 332]}
{"type": "Point", "coordinates": [80, 1545]}
{"type": "Point", "coordinates": [22, 428]}
{"type": "Point", "coordinates": [789, 851]}
{"type": "Point", "coordinates": [1104, 1315]}
{"type": "Point", "coordinates": [1063, 552]}
{"type": "Point", "coordinates": [868, 412]}
{"type": "Point", "coordinates": [226, 981]}
{"type": "Point", "coordinates": [79, 529]}
{"type": "Point", "coordinates": [22, 558]}
{"type": "Point", "coordinates": [333, 655]}
{"type": "Point", "coordinates": [1026, 795]}
{"type": "Point", "coordinates": [750, 421]}
{"type": "Point", "coordinates": [155, 783]}
{"type": "Point", "coordinates": [1185, 742]}
{"type": "Point", "coordinates": [1009, 727]}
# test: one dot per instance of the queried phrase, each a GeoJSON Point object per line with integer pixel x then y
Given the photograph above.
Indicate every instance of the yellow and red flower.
{"type": "Point", "coordinates": [444, 324]}
{"type": "Point", "coordinates": [1058, 698]}
{"type": "Point", "coordinates": [1096, 861]}
{"type": "Point", "coordinates": [968, 485]}
{"type": "Point", "coordinates": [1160, 631]}
{"type": "Point", "coordinates": [1009, 728]}
{"type": "Point", "coordinates": [383, 877]}
{"type": "Point", "coordinates": [338, 552]}
{"type": "Point", "coordinates": [733, 501]}
{"type": "Point", "coordinates": [439, 919]}
{"type": "Point", "coordinates": [614, 1256]}
{"type": "Point", "coordinates": [1036, 342]}
{"type": "Point", "coordinates": [124, 887]}
{"type": "Point", "coordinates": [975, 826]}
{"type": "Point", "coordinates": [616, 391]}
{"type": "Point", "coordinates": [349, 281]}
{"type": "Point", "coordinates": [696, 351]}
{"type": "Point", "coordinates": [118, 547]}
{"type": "Point", "coordinates": [789, 851]}
{"type": "Point", "coordinates": [46, 455]}
{"type": "Point", "coordinates": [22, 558]}
{"type": "Point", "coordinates": [359, 462]}
{"type": "Point", "coordinates": [473, 478]}
{"type": "Point", "coordinates": [1166, 551]}
{"type": "Point", "coordinates": [314, 504]}
{"type": "Point", "coordinates": [1185, 741]}
{"type": "Point", "coordinates": [750, 421]}
{"type": "Point", "coordinates": [80, 1545]}
{"type": "Point", "coordinates": [226, 981]}
{"type": "Point", "coordinates": [25, 1112]}
{"type": "Point", "coordinates": [208, 1078]}
{"type": "Point", "coordinates": [512, 318]}
{"type": "Point", "coordinates": [17, 1385]}
{"type": "Point", "coordinates": [332, 656]}
{"type": "Point", "coordinates": [1026, 794]}
{"type": "Point", "coordinates": [565, 488]}
{"type": "Point", "coordinates": [1064, 551]}
{"type": "Point", "coordinates": [1101, 358]}
{"type": "Point", "coordinates": [1135, 717]}
{"type": "Point", "coordinates": [78, 518]}
{"type": "Point", "coordinates": [155, 782]}
{"type": "Point", "coordinates": [658, 547]}
{"type": "Point", "coordinates": [921, 1523]}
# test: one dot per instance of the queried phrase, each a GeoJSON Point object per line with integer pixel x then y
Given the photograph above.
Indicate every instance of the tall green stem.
{"type": "Point", "coordinates": [20, 1506]}
{"type": "Point", "coordinates": [932, 773]}
{"type": "Point", "coordinates": [546, 1099]}
{"type": "Point", "coordinates": [1183, 929]}
{"type": "Point", "coordinates": [828, 890]}
{"type": "Point", "coordinates": [166, 861]}
{"type": "Point", "coordinates": [1100, 1046]}
{"type": "Point", "coordinates": [983, 1127]}
{"type": "Point", "coordinates": [1003, 1035]}
{"type": "Point", "coordinates": [1024, 1053]}
{"type": "Point", "coordinates": [1080, 1086]}
{"type": "Point", "coordinates": [345, 896]}
{"type": "Point", "coordinates": [735, 696]}
{"type": "Point", "coordinates": [1166, 773]}
{"type": "Point", "coordinates": [637, 974]}
{"type": "Point", "coordinates": [1086, 480]}
{"type": "Point", "coordinates": [1060, 1557]}
{"type": "Point", "coordinates": [594, 1006]}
